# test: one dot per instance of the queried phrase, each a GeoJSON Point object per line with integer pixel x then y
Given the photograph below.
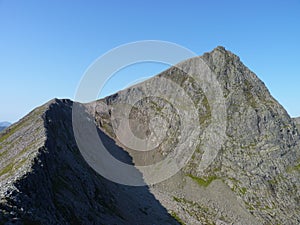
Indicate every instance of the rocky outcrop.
{"type": "Point", "coordinates": [244, 170]}
{"type": "Point", "coordinates": [297, 123]}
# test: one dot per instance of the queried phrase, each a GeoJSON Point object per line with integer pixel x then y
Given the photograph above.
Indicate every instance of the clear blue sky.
{"type": "Point", "coordinates": [45, 46]}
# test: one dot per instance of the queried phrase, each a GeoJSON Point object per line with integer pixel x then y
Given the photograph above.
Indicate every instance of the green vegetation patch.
{"type": "Point", "coordinates": [12, 130]}
{"type": "Point", "coordinates": [6, 169]}
{"type": "Point", "coordinates": [17, 161]}
{"type": "Point", "coordinates": [243, 190]}
{"type": "Point", "coordinates": [297, 167]}
{"type": "Point", "coordinates": [177, 199]}
{"type": "Point", "coordinates": [176, 217]}
{"type": "Point", "coordinates": [203, 182]}
{"type": "Point", "coordinates": [11, 167]}
{"type": "Point", "coordinates": [292, 169]}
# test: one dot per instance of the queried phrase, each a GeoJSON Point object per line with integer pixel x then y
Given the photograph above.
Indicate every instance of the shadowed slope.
{"type": "Point", "coordinates": [60, 188]}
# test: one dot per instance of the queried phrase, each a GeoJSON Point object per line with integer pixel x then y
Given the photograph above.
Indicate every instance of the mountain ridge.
{"type": "Point", "coordinates": [247, 182]}
{"type": "Point", "coordinates": [55, 169]}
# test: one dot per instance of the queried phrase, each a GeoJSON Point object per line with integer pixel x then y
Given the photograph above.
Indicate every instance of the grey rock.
{"type": "Point", "coordinates": [297, 123]}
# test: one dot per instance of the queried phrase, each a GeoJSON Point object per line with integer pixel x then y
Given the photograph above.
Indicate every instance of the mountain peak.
{"type": "Point", "coordinates": [220, 48]}
{"type": "Point", "coordinates": [220, 53]}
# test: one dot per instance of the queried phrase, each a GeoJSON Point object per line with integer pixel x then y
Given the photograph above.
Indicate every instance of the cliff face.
{"type": "Point", "coordinates": [244, 168]}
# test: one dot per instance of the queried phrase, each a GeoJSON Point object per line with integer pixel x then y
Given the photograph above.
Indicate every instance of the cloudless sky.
{"type": "Point", "coordinates": [46, 46]}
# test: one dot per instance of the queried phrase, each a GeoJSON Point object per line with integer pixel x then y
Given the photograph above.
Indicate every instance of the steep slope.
{"type": "Point", "coordinates": [254, 179]}
{"type": "Point", "coordinates": [251, 174]}
{"type": "Point", "coordinates": [45, 180]}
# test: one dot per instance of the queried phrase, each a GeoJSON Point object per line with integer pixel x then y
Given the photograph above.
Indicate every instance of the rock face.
{"type": "Point", "coordinates": [253, 178]}
{"type": "Point", "coordinates": [297, 122]}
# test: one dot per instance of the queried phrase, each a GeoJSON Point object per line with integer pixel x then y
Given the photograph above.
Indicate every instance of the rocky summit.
{"type": "Point", "coordinates": [237, 149]}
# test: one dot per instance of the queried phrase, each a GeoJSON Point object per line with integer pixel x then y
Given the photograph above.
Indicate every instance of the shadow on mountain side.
{"type": "Point", "coordinates": [63, 189]}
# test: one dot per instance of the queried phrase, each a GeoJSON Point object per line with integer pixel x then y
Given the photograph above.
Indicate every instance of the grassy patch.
{"type": "Point", "coordinates": [297, 167]}
{"type": "Point", "coordinates": [14, 164]}
{"type": "Point", "coordinates": [176, 217]}
{"type": "Point", "coordinates": [3, 153]}
{"type": "Point", "coordinates": [249, 206]}
{"type": "Point", "coordinates": [273, 182]}
{"type": "Point", "coordinates": [11, 130]}
{"type": "Point", "coordinates": [176, 199]}
{"type": "Point", "coordinates": [243, 190]}
{"type": "Point", "coordinates": [203, 182]}
{"type": "Point", "coordinates": [6, 169]}
{"type": "Point", "coordinates": [108, 130]}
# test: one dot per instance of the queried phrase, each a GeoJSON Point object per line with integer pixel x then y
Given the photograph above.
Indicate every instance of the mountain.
{"type": "Point", "coordinates": [244, 170]}
{"type": "Point", "coordinates": [3, 125]}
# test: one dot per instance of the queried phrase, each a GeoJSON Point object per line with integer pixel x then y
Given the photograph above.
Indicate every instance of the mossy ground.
{"type": "Point", "coordinates": [203, 182]}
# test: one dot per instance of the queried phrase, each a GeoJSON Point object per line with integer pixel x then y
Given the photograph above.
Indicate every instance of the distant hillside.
{"type": "Point", "coordinates": [3, 125]}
